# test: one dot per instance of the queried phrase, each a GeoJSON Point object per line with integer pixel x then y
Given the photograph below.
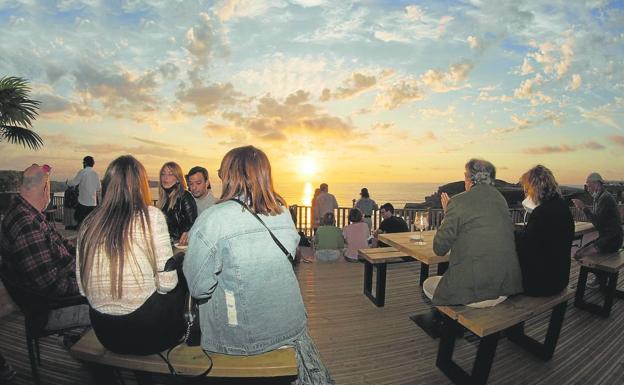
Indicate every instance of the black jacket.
{"type": "Point", "coordinates": [606, 219]}
{"type": "Point", "coordinates": [181, 216]}
{"type": "Point", "coordinates": [544, 248]}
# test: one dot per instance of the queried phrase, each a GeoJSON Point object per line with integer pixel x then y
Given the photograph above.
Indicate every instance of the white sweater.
{"type": "Point", "coordinates": [138, 279]}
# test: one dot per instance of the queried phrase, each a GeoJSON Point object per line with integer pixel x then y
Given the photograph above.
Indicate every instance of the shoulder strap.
{"type": "Point", "coordinates": [277, 242]}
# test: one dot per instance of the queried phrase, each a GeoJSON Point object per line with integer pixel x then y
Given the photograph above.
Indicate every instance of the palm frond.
{"type": "Point", "coordinates": [21, 135]}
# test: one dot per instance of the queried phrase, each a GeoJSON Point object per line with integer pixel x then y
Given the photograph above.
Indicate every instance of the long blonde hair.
{"type": "Point", "coordinates": [173, 196]}
{"type": "Point", "coordinates": [539, 184]}
{"type": "Point", "coordinates": [125, 199]}
{"type": "Point", "coordinates": [246, 174]}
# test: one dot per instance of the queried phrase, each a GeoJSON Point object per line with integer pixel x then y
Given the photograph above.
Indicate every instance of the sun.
{"type": "Point", "coordinates": [307, 166]}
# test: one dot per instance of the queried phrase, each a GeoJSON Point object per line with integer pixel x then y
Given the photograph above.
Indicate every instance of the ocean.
{"type": "Point", "coordinates": [301, 193]}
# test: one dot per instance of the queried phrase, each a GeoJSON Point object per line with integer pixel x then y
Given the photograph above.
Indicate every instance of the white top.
{"type": "Point", "coordinates": [88, 183]}
{"type": "Point", "coordinates": [205, 202]}
{"type": "Point", "coordinates": [138, 279]}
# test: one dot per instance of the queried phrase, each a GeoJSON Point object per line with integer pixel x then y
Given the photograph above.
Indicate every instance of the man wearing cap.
{"type": "Point", "coordinates": [35, 254]}
{"type": "Point", "coordinates": [325, 203]}
{"type": "Point", "coordinates": [366, 206]}
{"type": "Point", "coordinates": [605, 217]}
{"type": "Point", "coordinates": [88, 183]}
{"type": "Point", "coordinates": [199, 184]}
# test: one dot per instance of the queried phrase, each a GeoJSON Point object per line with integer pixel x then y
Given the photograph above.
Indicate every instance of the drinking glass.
{"type": "Point", "coordinates": [421, 222]}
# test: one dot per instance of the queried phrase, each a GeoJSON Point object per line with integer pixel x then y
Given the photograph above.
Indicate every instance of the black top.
{"type": "Point", "coordinates": [181, 217]}
{"type": "Point", "coordinates": [393, 224]}
{"type": "Point", "coordinates": [606, 219]}
{"type": "Point", "coordinates": [544, 248]}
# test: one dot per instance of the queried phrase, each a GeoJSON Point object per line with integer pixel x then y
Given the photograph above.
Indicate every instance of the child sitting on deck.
{"type": "Point", "coordinates": [356, 235]}
{"type": "Point", "coordinates": [328, 240]}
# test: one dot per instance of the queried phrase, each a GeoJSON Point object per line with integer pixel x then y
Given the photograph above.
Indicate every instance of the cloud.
{"type": "Point", "coordinates": [278, 121]}
{"type": "Point", "coordinates": [443, 23]}
{"type": "Point", "coordinates": [605, 114]}
{"type": "Point", "coordinates": [405, 91]}
{"type": "Point", "coordinates": [200, 40]}
{"type": "Point", "coordinates": [356, 84]}
{"type": "Point", "coordinates": [210, 98]}
{"type": "Point", "coordinates": [473, 42]}
{"type": "Point", "coordinates": [567, 54]}
{"type": "Point", "coordinates": [526, 67]}
{"type": "Point", "coordinates": [564, 148]}
{"type": "Point", "coordinates": [414, 12]}
{"type": "Point", "coordinates": [528, 90]}
{"type": "Point", "coordinates": [389, 36]}
{"type": "Point", "coordinates": [575, 82]}
{"type": "Point", "coordinates": [439, 81]}
{"type": "Point", "coordinates": [519, 124]}
{"type": "Point", "coordinates": [617, 139]}
{"type": "Point", "coordinates": [436, 113]}
{"type": "Point", "coordinates": [227, 10]}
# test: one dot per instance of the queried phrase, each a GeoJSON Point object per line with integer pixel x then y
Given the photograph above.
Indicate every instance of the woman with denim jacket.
{"type": "Point", "coordinates": [250, 301]}
{"type": "Point", "coordinates": [176, 202]}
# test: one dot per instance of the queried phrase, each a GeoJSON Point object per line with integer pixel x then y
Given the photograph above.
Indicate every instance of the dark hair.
{"type": "Point", "coordinates": [364, 193]}
{"type": "Point", "coordinates": [355, 215]}
{"type": "Point", "coordinates": [246, 173]}
{"type": "Point", "coordinates": [328, 219]}
{"type": "Point", "coordinates": [201, 170]}
{"type": "Point", "coordinates": [387, 207]}
{"type": "Point", "coordinates": [88, 160]}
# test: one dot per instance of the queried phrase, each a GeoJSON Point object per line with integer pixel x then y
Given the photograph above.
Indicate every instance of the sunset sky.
{"type": "Point", "coordinates": [352, 91]}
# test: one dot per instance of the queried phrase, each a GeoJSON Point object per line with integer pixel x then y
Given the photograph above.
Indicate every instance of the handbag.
{"type": "Point", "coordinates": [277, 242]}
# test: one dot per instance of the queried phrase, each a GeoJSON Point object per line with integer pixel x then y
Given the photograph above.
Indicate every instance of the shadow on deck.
{"type": "Point", "coordinates": [363, 344]}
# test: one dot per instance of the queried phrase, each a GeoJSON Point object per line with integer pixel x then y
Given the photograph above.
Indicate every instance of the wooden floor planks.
{"type": "Point", "coordinates": [363, 344]}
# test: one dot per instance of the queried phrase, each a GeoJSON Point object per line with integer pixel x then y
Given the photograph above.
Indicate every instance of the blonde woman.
{"type": "Point", "coordinates": [176, 202]}
{"type": "Point", "coordinates": [250, 298]}
{"type": "Point", "coordinates": [136, 307]}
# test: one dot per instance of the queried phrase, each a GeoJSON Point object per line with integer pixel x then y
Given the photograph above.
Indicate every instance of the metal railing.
{"type": "Point", "coordinates": [302, 215]}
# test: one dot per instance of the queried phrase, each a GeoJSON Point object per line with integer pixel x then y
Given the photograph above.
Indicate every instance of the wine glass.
{"type": "Point", "coordinates": [421, 222]}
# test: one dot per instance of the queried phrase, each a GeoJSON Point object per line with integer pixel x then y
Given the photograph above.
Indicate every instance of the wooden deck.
{"type": "Point", "coordinates": [363, 344]}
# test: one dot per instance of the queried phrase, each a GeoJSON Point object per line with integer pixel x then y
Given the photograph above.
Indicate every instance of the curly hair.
{"type": "Point", "coordinates": [539, 184]}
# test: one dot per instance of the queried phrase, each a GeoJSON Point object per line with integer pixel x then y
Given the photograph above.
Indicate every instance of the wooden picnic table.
{"type": "Point", "coordinates": [421, 252]}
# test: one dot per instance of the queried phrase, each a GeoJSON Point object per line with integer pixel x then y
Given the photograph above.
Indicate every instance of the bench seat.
{"type": "Point", "coordinates": [488, 323]}
{"type": "Point", "coordinates": [378, 258]}
{"type": "Point", "coordinates": [190, 360]}
{"type": "Point", "coordinates": [608, 266]}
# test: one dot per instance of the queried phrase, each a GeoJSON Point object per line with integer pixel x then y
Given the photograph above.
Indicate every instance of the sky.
{"type": "Point", "coordinates": [335, 91]}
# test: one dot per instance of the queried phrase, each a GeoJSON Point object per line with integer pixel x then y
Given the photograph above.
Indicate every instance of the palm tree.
{"type": "Point", "coordinates": [17, 112]}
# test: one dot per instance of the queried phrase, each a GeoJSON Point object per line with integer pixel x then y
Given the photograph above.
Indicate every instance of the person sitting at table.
{"type": "Point", "coordinates": [35, 254]}
{"type": "Point", "coordinates": [355, 235]}
{"type": "Point", "coordinates": [390, 223]}
{"type": "Point", "coordinates": [136, 307]}
{"type": "Point", "coordinates": [328, 240]}
{"type": "Point", "coordinates": [176, 202]}
{"type": "Point", "coordinates": [250, 301]}
{"type": "Point", "coordinates": [545, 243]}
{"type": "Point", "coordinates": [477, 229]}
{"type": "Point", "coordinates": [605, 217]}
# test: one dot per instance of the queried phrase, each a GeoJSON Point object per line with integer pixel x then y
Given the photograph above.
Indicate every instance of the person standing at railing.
{"type": "Point", "coordinates": [325, 203]}
{"type": "Point", "coordinates": [313, 221]}
{"type": "Point", "coordinates": [366, 206]}
{"type": "Point", "coordinates": [88, 182]}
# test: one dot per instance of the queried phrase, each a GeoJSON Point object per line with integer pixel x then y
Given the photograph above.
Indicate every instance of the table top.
{"type": "Point", "coordinates": [580, 228]}
{"type": "Point", "coordinates": [423, 253]}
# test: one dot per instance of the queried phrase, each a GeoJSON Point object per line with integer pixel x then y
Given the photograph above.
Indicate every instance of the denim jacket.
{"type": "Point", "coordinates": [252, 302]}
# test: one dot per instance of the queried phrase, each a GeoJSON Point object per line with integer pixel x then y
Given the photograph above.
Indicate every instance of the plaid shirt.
{"type": "Point", "coordinates": [34, 253]}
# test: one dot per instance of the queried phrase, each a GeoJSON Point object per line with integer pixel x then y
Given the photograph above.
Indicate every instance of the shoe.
{"type": "Point", "coordinates": [7, 373]}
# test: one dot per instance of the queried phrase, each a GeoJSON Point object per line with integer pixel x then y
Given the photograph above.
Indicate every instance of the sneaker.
{"type": "Point", "coordinates": [7, 373]}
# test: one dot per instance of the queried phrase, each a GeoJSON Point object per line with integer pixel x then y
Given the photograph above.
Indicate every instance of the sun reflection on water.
{"type": "Point", "coordinates": [308, 192]}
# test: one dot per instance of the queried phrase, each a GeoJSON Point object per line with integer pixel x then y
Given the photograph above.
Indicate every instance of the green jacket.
{"type": "Point", "coordinates": [329, 238]}
{"type": "Point", "coordinates": [483, 264]}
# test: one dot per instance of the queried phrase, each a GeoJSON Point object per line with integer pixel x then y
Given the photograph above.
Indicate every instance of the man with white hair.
{"type": "Point", "coordinates": [605, 217]}
{"type": "Point", "coordinates": [34, 253]}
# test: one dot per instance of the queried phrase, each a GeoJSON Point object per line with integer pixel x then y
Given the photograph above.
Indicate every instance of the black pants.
{"type": "Point", "coordinates": [155, 326]}
{"type": "Point", "coordinates": [81, 213]}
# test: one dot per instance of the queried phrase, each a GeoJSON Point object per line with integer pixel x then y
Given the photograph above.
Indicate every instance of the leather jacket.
{"type": "Point", "coordinates": [181, 216]}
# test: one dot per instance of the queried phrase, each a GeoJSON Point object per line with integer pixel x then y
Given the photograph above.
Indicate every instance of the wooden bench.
{"type": "Point", "coordinates": [488, 323]}
{"type": "Point", "coordinates": [190, 360]}
{"type": "Point", "coordinates": [379, 257]}
{"type": "Point", "coordinates": [608, 266]}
